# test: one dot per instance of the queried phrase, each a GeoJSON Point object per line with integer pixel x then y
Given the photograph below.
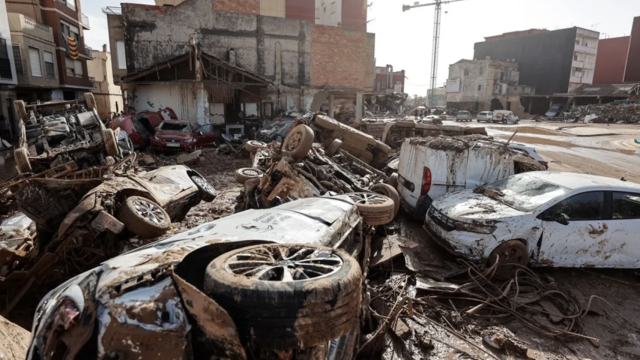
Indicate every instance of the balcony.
{"type": "Point", "coordinates": [21, 24]}
{"type": "Point", "coordinates": [88, 52]}
{"type": "Point", "coordinates": [586, 49]}
{"type": "Point", "coordinates": [85, 22]}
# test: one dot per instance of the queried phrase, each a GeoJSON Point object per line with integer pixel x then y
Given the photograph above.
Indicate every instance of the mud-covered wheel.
{"type": "Point", "coordinates": [144, 217]}
{"type": "Point", "coordinates": [23, 165]}
{"type": "Point", "coordinates": [245, 174]}
{"type": "Point", "coordinates": [510, 252]}
{"type": "Point", "coordinates": [375, 209]}
{"type": "Point", "coordinates": [393, 180]}
{"type": "Point", "coordinates": [254, 145]}
{"type": "Point", "coordinates": [287, 296]}
{"type": "Point", "coordinates": [207, 191]}
{"type": "Point", "coordinates": [334, 147]}
{"type": "Point", "coordinates": [110, 142]}
{"type": "Point", "coordinates": [327, 123]}
{"type": "Point", "coordinates": [395, 139]}
{"type": "Point", "coordinates": [298, 142]}
{"type": "Point", "coordinates": [390, 192]}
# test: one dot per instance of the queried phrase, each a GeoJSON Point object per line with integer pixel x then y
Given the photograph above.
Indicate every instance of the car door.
{"type": "Point", "coordinates": [623, 249]}
{"type": "Point", "coordinates": [204, 135]}
{"type": "Point", "coordinates": [581, 238]}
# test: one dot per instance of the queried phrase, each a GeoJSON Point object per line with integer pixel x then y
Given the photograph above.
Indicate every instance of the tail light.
{"type": "Point", "coordinates": [426, 181]}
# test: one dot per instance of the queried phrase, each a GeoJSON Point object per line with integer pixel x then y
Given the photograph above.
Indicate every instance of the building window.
{"type": "Point", "coordinates": [466, 72]}
{"type": "Point", "coordinates": [74, 67]}
{"type": "Point", "coordinates": [17, 58]}
{"type": "Point", "coordinates": [71, 4]}
{"type": "Point", "coordinates": [575, 57]}
{"type": "Point", "coordinates": [34, 60]}
{"type": "Point", "coordinates": [49, 68]}
{"type": "Point", "coordinates": [577, 41]}
{"type": "Point", "coordinates": [5, 62]}
{"type": "Point", "coordinates": [479, 87]}
{"type": "Point", "coordinates": [122, 55]}
{"type": "Point", "coordinates": [71, 31]}
{"type": "Point", "coordinates": [481, 71]}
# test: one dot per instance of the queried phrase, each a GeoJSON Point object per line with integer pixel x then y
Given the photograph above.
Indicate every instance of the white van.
{"type": "Point", "coordinates": [432, 167]}
{"type": "Point", "coordinates": [485, 116]}
{"type": "Point", "coordinates": [505, 117]}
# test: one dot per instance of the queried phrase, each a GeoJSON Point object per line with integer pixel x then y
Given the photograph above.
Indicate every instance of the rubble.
{"type": "Point", "coordinates": [606, 113]}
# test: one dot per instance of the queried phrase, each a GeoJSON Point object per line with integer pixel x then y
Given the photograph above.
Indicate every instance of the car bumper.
{"type": "Point", "coordinates": [456, 242]}
{"type": "Point", "coordinates": [162, 146]}
{"type": "Point", "coordinates": [420, 210]}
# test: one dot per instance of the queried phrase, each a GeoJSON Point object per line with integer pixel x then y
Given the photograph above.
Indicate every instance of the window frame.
{"type": "Point", "coordinates": [610, 194]}
{"type": "Point", "coordinates": [606, 206]}
{"type": "Point", "coordinates": [18, 59]}
{"type": "Point", "coordinates": [46, 74]}
{"type": "Point", "coordinates": [31, 62]}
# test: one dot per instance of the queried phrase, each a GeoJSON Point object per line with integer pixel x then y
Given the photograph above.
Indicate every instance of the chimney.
{"type": "Point", "coordinates": [104, 48]}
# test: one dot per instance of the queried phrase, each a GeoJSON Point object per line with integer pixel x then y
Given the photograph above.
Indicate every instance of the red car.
{"type": "Point", "coordinates": [179, 135]}
{"type": "Point", "coordinates": [142, 126]}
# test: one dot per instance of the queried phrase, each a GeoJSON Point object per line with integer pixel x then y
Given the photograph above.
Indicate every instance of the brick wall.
{"type": "Point", "coordinates": [611, 60]}
{"type": "Point", "coordinates": [238, 6]}
{"type": "Point", "coordinates": [339, 58]}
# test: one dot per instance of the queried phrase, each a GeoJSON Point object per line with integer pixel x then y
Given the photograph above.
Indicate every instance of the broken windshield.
{"type": "Point", "coordinates": [185, 128]}
{"type": "Point", "coordinates": [522, 192]}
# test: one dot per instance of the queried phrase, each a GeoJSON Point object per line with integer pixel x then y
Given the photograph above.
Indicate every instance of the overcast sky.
{"type": "Point", "coordinates": [404, 40]}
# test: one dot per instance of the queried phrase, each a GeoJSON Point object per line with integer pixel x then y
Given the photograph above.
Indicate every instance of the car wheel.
{"type": "Point", "coordinates": [395, 139]}
{"type": "Point", "coordinates": [144, 217]}
{"type": "Point", "coordinates": [23, 165]}
{"type": "Point", "coordinates": [334, 148]}
{"type": "Point", "coordinates": [287, 296]}
{"type": "Point", "coordinates": [207, 191]}
{"type": "Point", "coordinates": [245, 174]}
{"type": "Point", "coordinates": [510, 252]}
{"type": "Point", "coordinates": [253, 145]}
{"type": "Point", "coordinates": [110, 142]}
{"type": "Point", "coordinates": [390, 192]}
{"type": "Point", "coordinates": [327, 123]}
{"type": "Point", "coordinates": [375, 209]}
{"type": "Point", "coordinates": [393, 180]}
{"type": "Point", "coordinates": [298, 142]}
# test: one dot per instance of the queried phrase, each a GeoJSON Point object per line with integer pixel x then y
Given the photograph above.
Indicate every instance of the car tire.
{"type": "Point", "coordinates": [298, 142]}
{"type": "Point", "coordinates": [144, 217]}
{"type": "Point", "coordinates": [110, 142]}
{"type": "Point", "coordinates": [277, 314]}
{"type": "Point", "coordinates": [334, 148]}
{"type": "Point", "coordinates": [207, 191]}
{"type": "Point", "coordinates": [390, 192]}
{"type": "Point", "coordinates": [375, 209]}
{"type": "Point", "coordinates": [244, 174]}
{"type": "Point", "coordinates": [254, 145]}
{"type": "Point", "coordinates": [510, 252]}
{"type": "Point", "coordinates": [327, 123]}
{"type": "Point", "coordinates": [393, 180]}
{"type": "Point", "coordinates": [23, 165]}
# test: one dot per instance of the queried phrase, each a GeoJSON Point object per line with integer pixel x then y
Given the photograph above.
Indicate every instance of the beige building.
{"type": "Point", "coordinates": [108, 95]}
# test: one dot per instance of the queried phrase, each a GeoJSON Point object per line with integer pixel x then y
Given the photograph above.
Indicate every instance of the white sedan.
{"type": "Point", "coordinates": [542, 219]}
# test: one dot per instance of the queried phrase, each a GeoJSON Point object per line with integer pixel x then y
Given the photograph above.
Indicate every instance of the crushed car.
{"type": "Point", "coordinates": [141, 126]}
{"type": "Point", "coordinates": [88, 216]}
{"type": "Point", "coordinates": [176, 135]}
{"type": "Point", "coordinates": [542, 219]}
{"type": "Point", "coordinates": [276, 283]}
{"type": "Point", "coordinates": [396, 132]}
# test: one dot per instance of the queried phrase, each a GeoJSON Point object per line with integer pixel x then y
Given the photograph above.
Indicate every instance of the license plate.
{"type": "Point", "coordinates": [173, 144]}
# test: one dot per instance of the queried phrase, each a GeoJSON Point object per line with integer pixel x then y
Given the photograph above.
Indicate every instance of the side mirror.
{"type": "Point", "coordinates": [200, 133]}
{"type": "Point", "coordinates": [560, 218]}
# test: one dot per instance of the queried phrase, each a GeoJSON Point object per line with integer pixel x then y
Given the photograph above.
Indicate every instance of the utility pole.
{"type": "Point", "coordinates": [436, 41]}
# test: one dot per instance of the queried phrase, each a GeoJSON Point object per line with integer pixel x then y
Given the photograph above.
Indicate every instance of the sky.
{"type": "Point", "coordinates": [404, 39]}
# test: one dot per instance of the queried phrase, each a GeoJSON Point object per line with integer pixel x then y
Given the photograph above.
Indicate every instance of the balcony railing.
{"type": "Point", "coordinates": [85, 22]}
{"type": "Point", "coordinates": [87, 52]}
{"type": "Point", "coordinates": [112, 10]}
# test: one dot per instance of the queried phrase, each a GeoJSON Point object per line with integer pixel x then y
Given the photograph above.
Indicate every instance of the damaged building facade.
{"type": "Point", "coordinates": [483, 85]}
{"type": "Point", "coordinates": [216, 61]}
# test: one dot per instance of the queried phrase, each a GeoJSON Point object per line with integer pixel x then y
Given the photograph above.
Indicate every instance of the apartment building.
{"type": "Point", "coordinates": [8, 78]}
{"type": "Point", "coordinates": [46, 33]}
{"type": "Point", "coordinates": [557, 61]}
{"type": "Point", "coordinates": [619, 58]}
{"type": "Point", "coordinates": [107, 94]}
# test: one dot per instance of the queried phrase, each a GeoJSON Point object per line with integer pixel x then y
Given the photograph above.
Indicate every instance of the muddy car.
{"type": "Point", "coordinates": [241, 287]}
{"type": "Point", "coordinates": [82, 221]}
{"type": "Point", "coordinates": [396, 132]}
{"type": "Point", "coordinates": [142, 126]}
{"type": "Point", "coordinates": [542, 219]}
{"type": "Point", "coordinates": [79, 137]}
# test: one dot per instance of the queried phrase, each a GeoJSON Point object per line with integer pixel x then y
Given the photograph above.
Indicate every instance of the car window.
{"type": "Point", "coordinates": [185, 128]}
{"type": "Point", "coordinates": [522, 192]}
{"type": "Point", "coordinates": [585, 206]}
{"type": "Point", "coordinates": [206, 128]}
{"type": "Point", "coordinates": [626, 206]}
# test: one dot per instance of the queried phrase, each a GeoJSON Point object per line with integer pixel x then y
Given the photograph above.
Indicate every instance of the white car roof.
{"type": "Point", "coordinates": [575, 181]}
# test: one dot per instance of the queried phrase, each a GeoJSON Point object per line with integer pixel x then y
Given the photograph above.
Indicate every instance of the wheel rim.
{"type": "Point", "coordinates": [203, 184]}
{"type": "Point", "coordinates": [149, 211]}
{"type": "Point", "coordinates": [511, 255]}
{"type": "Point", "coordinates": [294, 141]}
{"type": "Point", "coordinates": [284, 263]}
{"type": "Point", "coordinates": [250, 172]}
{"type": "Point", "coordinates": [366, 198]}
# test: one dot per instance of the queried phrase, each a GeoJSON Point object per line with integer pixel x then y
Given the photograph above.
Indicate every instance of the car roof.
{"type": "Point", "coordinates": [576, 181]}
{"type": "Point", "coordinates": [177, 122]}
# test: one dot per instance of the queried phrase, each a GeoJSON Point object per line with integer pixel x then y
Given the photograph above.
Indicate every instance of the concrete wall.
{"type": "Point", "coordinates": [107, 94]}
{"type": "Point", "coordinates": [116, 33]}
{"type": "Point", "coordinates": [238, 6]}
{"type": "Point", "coordinates": [611, 60]}
{"type": "Point", "coordinates": [180, 97]}
{"type": "Point", "coordinates": [544, 59]}
{"type": "Point", "coordinates": [632, 72]}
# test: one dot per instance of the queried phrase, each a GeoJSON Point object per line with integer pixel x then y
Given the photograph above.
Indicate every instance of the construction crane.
{"type": "Point", "coordinates": [436, 41]}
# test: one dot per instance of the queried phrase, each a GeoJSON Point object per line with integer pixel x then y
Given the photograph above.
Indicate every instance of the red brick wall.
{"type": "Point", "coordinates": [383, 79]}
{"type": "Point", "coordinates": [238, 6]}
{"type": "Point", "coordinates": [633, 62]}
{"type": "Point", "coordinates": [301, 9]}
{"type": "Point", "coordinates": [354, 14]}
{"type": "Point", "coordinates": [338, 57]}
{"type": "Point", "coordinates": [611, 60]}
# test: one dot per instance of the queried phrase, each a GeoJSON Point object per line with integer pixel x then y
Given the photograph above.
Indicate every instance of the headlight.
{"type": "Point", "coordinates": [485, 227]}
{"type": "Point", "coordinates": [189, 140]}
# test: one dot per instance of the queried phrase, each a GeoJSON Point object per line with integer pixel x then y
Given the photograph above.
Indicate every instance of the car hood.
{"type": "Point", "coordinates": [469, 205]}
{"type": "Point", "coordinates": [173, 135]}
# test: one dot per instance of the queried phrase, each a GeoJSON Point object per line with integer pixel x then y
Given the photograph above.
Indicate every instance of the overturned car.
{"type": "Point", "coordinates": [242, 287]}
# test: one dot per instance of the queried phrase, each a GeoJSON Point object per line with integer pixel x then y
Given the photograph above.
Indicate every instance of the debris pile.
{"type": "Point", "coordinates": [607, 113]}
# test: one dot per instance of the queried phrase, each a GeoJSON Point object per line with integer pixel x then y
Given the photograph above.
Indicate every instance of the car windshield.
{"type": "Point", "coordinates": [522, 192]}
{"type": "Point", "coordinates": [278, 125]}
{"type": "Point", "coordinates": [173, 127]}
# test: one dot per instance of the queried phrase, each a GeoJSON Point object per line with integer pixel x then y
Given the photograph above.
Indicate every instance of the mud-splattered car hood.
{"type": "Point", "coordinates": [325, 220]}
{"type": "Point", "coordinates": [469, 205]}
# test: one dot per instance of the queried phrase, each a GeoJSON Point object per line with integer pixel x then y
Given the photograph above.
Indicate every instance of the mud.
{"type": "Point", "coordinates": [14, 341]}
